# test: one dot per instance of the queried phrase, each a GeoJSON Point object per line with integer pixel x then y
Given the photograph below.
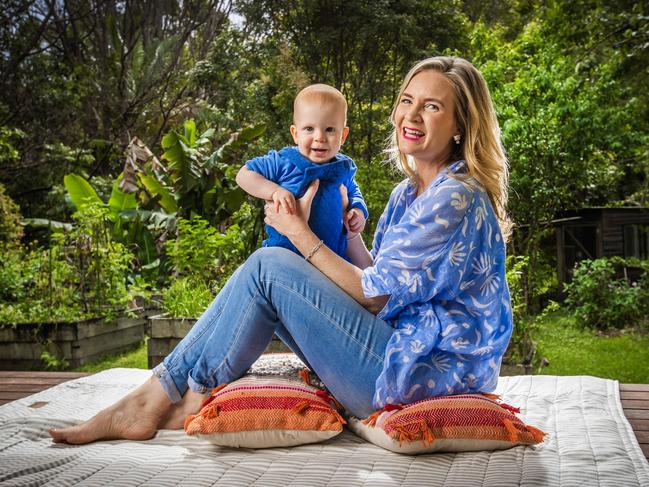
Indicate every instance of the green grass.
{"type": "Point", "coordinates": [136, 358]}
{"type": "Point", "coordinates": [572, 350]}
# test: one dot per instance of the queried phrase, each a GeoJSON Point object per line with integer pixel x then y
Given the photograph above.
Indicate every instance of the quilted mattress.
{"type": "Point", "coordinates": [590, 443]}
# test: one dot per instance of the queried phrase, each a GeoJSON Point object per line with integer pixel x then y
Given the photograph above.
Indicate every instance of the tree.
{"type": "Point", "coordinates": [568, 131]}
{"type": "Point", "coordinates": [90, 74]}
{"type": "Point", "coordinates": [363, 48]}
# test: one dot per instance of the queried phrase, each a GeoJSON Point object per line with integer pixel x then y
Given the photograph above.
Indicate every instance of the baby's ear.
{"type": "Point", "coordinates": [294, 133]}
{"type": "Point", "coordinates": [344, 136]}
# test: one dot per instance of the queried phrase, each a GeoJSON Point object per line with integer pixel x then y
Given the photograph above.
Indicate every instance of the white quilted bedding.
{"type": "Point", "coordinates": [590, 444]}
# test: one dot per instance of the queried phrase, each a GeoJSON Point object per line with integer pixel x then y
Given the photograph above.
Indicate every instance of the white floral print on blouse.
{"type": "Point", "coordinates": [441, 259]}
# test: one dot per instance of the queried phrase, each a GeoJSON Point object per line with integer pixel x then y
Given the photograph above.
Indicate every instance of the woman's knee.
{"type": "Point", "coordinates": [274, 258]}
{"type": "Point", "coordinates": [272, 253]}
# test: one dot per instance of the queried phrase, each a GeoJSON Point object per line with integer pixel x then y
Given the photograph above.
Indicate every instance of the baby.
{"type": "Point", "coordinates": [319, 129]}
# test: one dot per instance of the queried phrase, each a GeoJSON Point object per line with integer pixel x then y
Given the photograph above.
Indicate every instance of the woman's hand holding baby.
{"type": "Point", "coordinates": [292, 223]}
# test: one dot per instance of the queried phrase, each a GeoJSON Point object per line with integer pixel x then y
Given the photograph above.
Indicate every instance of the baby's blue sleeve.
{"type": "Point", "coordinates": [268, 165]}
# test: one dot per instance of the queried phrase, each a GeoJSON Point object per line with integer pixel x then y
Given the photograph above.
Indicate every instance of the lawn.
{"type": "Point", "coordinates": [569, 349]}
{"type": "Point", "coordinates": [572, 350]}
{"type": "Point", "coordinates": [136, 358]}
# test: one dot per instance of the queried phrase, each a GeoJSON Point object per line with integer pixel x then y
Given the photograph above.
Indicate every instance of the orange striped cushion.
{"type": "Point", "coordinates": [469, 422]}
{"type": "Point", "coordinates": [263, 412]}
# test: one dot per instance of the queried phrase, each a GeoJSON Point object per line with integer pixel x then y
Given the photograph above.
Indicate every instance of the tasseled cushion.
{"type": "Point", "coordinates": [266, 412]}
{"type": "Point", "coordinates": [469, 422]}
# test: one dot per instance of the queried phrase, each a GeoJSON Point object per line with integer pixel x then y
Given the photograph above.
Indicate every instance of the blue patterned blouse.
{"type": "Point", "coordinates": [441, 259]}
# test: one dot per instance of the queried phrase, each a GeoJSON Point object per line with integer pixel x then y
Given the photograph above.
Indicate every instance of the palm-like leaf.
{"type": "Point", "coordinates": [163, 196]}
{"type": "Point", "coordinates": [120, 201]}
{"type": "Point", "coordinates": [237, 141]}
{"type": "Point", "coordinates": [184, 170]}
{"type": "Point", "coordinates": [80, 191]}
{"type": "Point", "coordinates": [52, 225]}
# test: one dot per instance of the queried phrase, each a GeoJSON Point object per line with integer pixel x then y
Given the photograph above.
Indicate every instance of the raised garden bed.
{"type": "Point", "coordinates": [165, 333]}
{"type": "Point", "coordinates": [77, 343]}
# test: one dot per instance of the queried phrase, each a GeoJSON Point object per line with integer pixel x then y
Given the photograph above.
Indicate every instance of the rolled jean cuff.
{"type": "Point", "coordinates": [196, 387]}
{"type": "Point", "coordinates": [168, 385]}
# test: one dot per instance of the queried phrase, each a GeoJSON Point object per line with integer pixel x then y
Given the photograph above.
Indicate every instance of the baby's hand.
{"type": "Point", "coordinates": [355, 220]}
{"type": "Point", "coordinates": [284, 198]}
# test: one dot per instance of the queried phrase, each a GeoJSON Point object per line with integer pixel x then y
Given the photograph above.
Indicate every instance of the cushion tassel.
{"type": "Point", "coordinates": [513, 432]}
{"type": "Point", "coordinates": [188, 420]}
{"type": "Point", "coordinates": [207, 401]}
{"type": "Point", "coordinates": [512, 409]}
{"type": "Point", "coordinates": [340, 419]}
{"type": "Point", "coordinates": [304, 375]}
{"type": "Point", "coordinates": [392, 407]}
{"type": "Point", "coordinates": [329, 398]}
{"type": "Point", "coordinates": [371, 419]}
{"type": "Point", "coordinates": [404, 435]}
{"type": "Point", "coordinates": [300, 407]}
{"type": "Point", "coordinates": [323, 395]}
{"type": "Point", "coordinates": [536, 433]}
{"type": "Point", "coordinates": [212, 395]}
{"type": "Point", "coordinates": [426, 434]}
{"type": "Point", "coordinates": [488, 395]}
{"type": "Point", "coordinates": [335, 402]}
{"type": "Point", "coordinates": [211, 412]}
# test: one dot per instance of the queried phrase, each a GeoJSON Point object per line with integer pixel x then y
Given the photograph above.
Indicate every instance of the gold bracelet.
{"type": "Point", "coordinates": [314, 250]}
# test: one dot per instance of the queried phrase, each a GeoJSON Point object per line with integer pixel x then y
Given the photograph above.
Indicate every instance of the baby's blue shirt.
{"type": "Point", "coordinates": [292, 171]}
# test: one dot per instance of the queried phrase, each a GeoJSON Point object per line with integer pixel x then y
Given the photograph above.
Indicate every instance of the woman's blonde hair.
{"type": "Point", "coordinates": [475, 116]}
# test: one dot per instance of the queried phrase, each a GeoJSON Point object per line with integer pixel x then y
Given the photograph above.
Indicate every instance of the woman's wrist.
{"type": "Point", "coordinates": [314, 250]}
{"type": "Point", "coordinates": [300, 233]}
{"type": "Point", "coordinates": [349, 239]}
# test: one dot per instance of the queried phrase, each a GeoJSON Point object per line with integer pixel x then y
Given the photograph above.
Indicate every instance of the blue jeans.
{"type": "Point", "coordinates": [276, 291]}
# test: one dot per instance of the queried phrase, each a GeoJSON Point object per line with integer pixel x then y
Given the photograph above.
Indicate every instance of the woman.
{"type": "Point", "coordinates": [425, 313]}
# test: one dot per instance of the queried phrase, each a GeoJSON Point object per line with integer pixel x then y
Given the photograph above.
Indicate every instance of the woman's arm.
{"type": "Point", "coordinates": [347, 276]}
{"type": "Point", "coordinates": [358, 253]}
{"type": "Point", "coordinates": [356, 250]}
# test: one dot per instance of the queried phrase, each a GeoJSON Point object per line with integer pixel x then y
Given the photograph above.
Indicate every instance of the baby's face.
{"type": "Point", "coordinates": [319, 129]}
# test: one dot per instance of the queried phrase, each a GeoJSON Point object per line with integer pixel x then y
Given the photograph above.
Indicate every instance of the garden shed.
{"type": "Point", "coordinates": [592, 233]}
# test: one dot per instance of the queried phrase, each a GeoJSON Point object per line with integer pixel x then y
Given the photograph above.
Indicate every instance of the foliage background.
{"type": "Point", "coordinates": [79, 80]}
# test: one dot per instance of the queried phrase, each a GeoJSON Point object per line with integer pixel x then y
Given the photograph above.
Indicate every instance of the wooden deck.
{"type": "Point", "coordinates": [16, 385]}
{"type": "Point", "coordinates": [635, 402]}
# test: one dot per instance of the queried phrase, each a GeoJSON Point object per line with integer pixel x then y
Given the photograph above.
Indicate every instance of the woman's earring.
{"type": "Point", "coordinates": [457, 139]}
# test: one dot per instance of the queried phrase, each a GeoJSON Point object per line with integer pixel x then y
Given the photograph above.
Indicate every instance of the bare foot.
{"type": "Point", "coordinates": [134, 417]}
{"type": "Point", "coordinates": [190, 404]}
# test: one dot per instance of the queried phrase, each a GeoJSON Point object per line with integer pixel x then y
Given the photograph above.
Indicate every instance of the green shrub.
{"type": "Point", "coordinates": [10, 228]}
{"type": "Point", "coordinates": [204, 254]}
{"type": "Point", "coordinates": [35, 286]}
{"type": "Point", "coordinates": [203, 260]}
{"type": "Point", "coordinates": [187, 298]}
{"type": "Point", "coordinates": [601, 300]}
{"type": "Point", "coordinates": [81, 274]}
{"type": "Point", "coordinates": [521, 347]}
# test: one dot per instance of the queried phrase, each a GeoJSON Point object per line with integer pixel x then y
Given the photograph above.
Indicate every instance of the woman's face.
{"type": "Point", "coordinates": [425, 118]}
